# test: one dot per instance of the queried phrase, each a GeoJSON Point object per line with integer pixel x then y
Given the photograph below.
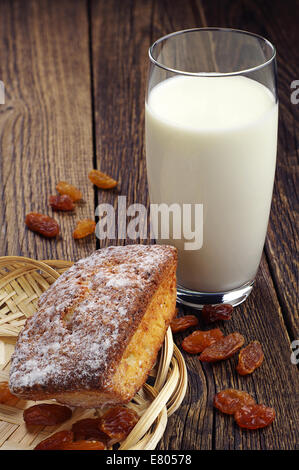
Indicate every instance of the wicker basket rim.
{"type": "Point", "coordinates": [22, 280]}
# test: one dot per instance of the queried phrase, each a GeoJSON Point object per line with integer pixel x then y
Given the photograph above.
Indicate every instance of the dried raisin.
{"type": "Point", "coordinates": [83, 445]}
{"type": "Point", "coordinates": [5, 395]}
{"type": "Point", "coordinates": [42, 224]}
{"type": "Point", "coordinates": [182, 323]}
{"type": "Point", "coordinates": [223, 349]}
{"type": "Point", "coordinates": [84, 228]}
{"type": "Point", "coordinates": [47, 414]}
{"type": "Point", "coordinates": [101, 180]}
{"type": "Point", "coordinates": [55, 441]}
{"type": "Point", "coordinates": [211, 313]}
{"type": "Point", "coordinates": [229, 401]}
{"type": "Point", "coordinates": [66, 188]}
{"type": "Point", "coordinates": [118, 422]}
{"type": "Point", "coordinates": [200, 340]}
{"type": "Point", "coordinates": [88, 429]}
{"type": "Point", "coordinates": [254, 416]}
{"type": "Point", "coordinates": [250, 358]}
{"type": "Point", "coordinates": [61, 202]}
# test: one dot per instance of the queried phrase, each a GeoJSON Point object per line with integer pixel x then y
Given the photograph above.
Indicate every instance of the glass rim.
{"type": "Point", "coordinates": [211, 74]}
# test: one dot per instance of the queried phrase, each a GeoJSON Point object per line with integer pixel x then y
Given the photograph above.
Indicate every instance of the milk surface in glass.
{"type": "Point", "coordinates": [212, 141]}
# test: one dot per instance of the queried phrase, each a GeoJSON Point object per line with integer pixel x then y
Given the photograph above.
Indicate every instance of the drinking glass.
{"type": "Point", "coordinates": [211, 139]}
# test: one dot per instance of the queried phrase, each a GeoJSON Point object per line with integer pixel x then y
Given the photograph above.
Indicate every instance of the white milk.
{"type": "Point", "coordinates": [212, 140]}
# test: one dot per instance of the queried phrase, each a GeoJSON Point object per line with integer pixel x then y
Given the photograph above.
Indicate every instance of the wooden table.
{"type": "Point", "coordinates": [75, 75]}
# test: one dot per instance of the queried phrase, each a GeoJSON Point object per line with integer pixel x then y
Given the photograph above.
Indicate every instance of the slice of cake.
{"type": "Point", "coordinates": [98, 328]}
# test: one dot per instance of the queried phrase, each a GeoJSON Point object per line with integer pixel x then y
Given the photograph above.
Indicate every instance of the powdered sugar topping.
{"type": "Point", "coordinates": [84, 318]}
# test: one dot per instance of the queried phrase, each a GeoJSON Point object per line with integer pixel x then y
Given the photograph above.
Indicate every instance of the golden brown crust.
{"type": "Point", "coordinates": [86, 319]}
{"type": "Point", "coordinates": [139, 356]}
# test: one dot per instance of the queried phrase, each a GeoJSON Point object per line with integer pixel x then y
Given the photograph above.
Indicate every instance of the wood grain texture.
{"type": "Point", "coordinates": [259, 319]}
{"type": "Point", "coordinates": [121, 35]}
{"type": "Point", "coordinates": [275, 21]}
{"type": "Point", "coordinates": [75, 75]}
{"type": "Point", "coordinates": [46, 123]}
{"type": "Point", "coordinates": [120, 39]}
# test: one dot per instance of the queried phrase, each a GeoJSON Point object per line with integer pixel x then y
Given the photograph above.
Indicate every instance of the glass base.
{"type": "Point", "coordinates": [199, 299]}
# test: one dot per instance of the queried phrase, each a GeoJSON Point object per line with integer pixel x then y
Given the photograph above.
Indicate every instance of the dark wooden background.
{"type": "Point", "coordinates": [75, 76]}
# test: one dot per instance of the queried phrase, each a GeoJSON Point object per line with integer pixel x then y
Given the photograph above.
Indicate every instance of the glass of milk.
{"type": "Point", "coordinates": [211, 137]}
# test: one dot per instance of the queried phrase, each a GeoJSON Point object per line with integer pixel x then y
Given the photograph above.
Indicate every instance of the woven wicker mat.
{"type": "Point", "coordinates": [22, 281]}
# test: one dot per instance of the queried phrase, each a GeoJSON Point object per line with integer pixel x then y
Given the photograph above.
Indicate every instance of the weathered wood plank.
{"type": "Point", "coordinates": [46, 123]}
{"type": "Point", "coordinates": [121, 34]}
{"type": "Point", "coordinates": [46, 135]}
{"type": "Point", "coordinates": [120, 38]}
{"type": "Point", "coordinates": [276, 21]}
{"type": "Point", "coordinates": [273, 383]}
{"type": "Point", "coordinates": [191, 427]}
{"type": "Point", "coordinates": [283, 241]}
